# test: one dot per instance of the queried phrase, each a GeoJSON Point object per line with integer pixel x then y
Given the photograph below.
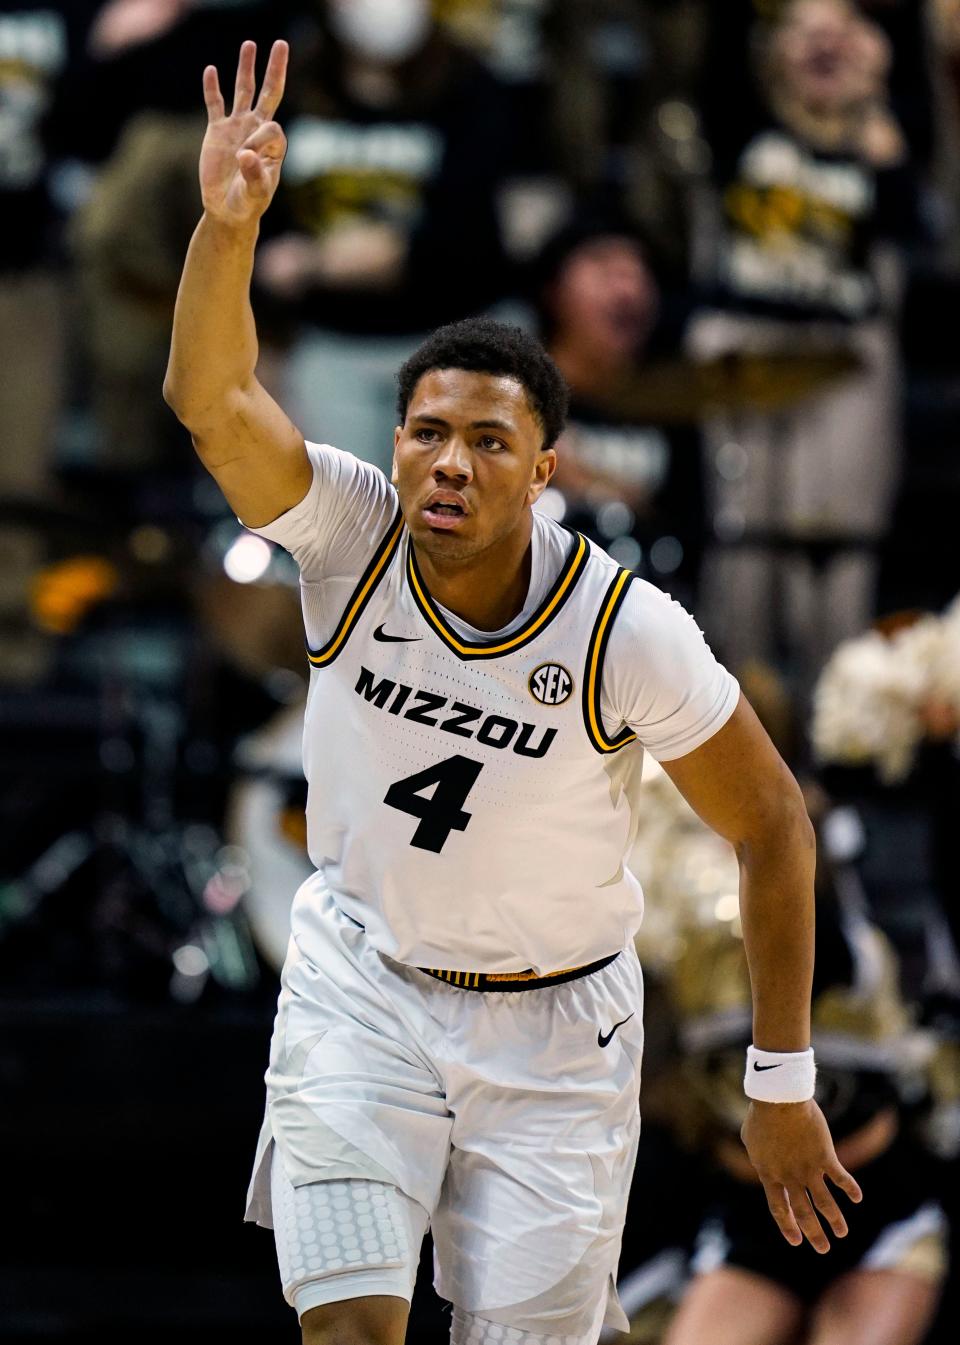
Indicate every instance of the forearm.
{"type": "Point", "coordinates": [777, 914]}
{"type": "Point", "coordinates": [213, 351]}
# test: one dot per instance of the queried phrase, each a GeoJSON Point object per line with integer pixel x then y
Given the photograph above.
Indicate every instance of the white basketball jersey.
{"type": "Point", "coordinates": [466, 804]}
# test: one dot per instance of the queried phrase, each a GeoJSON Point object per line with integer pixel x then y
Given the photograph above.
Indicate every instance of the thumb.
{"type": "Point", "coordinates": [268, 140]}
{"type": "Point", "coordinates": [253, 172]}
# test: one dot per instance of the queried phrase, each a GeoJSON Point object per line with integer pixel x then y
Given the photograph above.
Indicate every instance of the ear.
{"type": "Point", "coordinates": [396, 440]}
{"type": "Point", "coordinates": [544, 467]}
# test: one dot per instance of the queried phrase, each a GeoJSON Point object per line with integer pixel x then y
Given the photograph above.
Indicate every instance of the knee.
{"type": "Point", "coordinates": [377, 1320]}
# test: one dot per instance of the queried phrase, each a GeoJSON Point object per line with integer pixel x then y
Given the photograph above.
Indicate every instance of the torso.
{"type": "Point", "coordinates": [467, 806]}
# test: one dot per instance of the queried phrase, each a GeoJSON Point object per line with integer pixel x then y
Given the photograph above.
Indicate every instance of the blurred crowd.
{"type": "Point", "coordinates": [735, 225]}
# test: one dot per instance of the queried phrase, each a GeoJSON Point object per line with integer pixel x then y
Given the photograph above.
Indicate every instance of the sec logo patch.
{"type": "Point", "coordinates": [550, 684]}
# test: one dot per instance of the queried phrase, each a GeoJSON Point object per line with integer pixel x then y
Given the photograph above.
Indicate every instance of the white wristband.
{"type": "Point", "coordinates": [780, 1076]}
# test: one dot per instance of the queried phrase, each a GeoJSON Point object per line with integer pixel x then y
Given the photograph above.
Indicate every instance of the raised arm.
{"type": "Point", "coordinates": [740, 787]}
{"type": "Point", "coordinates": [242, 436]}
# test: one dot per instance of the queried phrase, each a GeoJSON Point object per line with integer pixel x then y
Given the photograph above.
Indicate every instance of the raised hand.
{"type": "Point", "coordinates": [241, 154]}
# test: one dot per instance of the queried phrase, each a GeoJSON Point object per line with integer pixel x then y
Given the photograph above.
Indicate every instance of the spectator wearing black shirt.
{"type": "Point", "coordinates": [809, 198]}
{"type": "Point", "coordinates": [385, 223]}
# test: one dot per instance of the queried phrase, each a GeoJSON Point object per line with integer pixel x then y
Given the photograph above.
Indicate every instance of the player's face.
{"type": "Point", "coordinates": [468, 461]}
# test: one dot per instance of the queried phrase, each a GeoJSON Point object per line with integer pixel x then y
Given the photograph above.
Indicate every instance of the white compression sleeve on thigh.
{"type": "Point", "coordinates": [467, 1329]}
{"type": "Point", "coordinates": [344, 1239]}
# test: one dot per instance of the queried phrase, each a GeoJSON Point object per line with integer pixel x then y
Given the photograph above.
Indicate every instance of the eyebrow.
{"type": "Point", "coordinates": [474, 424]}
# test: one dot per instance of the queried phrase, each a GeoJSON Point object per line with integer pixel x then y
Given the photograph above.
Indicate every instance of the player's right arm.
{"type": "Point", "coordinates": [256, 454]}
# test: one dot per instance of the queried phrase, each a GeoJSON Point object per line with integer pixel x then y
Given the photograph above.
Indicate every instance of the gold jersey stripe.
{"type": "Point", "coordinates": [594, 669]}
{"type": "Point", "coordinates": [569, 575]}
{"type": "Point", "coordinates": [319, 658]}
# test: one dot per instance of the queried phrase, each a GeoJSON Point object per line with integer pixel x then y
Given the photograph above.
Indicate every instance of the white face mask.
{"type": "Point", "coordinates": [384, 30]}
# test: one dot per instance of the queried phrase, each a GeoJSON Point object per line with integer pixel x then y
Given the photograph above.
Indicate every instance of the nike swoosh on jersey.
{"type": "Point", "coordinates": [606, 1040]}
{"type": "Point", "coordinates": [381, 635]}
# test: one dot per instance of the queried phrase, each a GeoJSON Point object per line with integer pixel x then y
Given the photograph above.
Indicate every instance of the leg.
{"type": "Point", "coordinates": [469, 1329]}
{"type": "Point", "coordinates": [729, 1306]}
{"type": "Point", "coordinates": [528, 1226]}
{"type": "Point", "coordinates": [377, 1320]}
{"type": "Point", "coordinates": [875, 1307]}
{"type": "Point", "coordinates": [348, 1253]}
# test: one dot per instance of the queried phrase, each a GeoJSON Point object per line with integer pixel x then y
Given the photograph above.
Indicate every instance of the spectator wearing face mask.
{"type": "Point", "coordinates": [385, 222]}
{"type": "Point", "coordinates": [631, 483]}
{"type": "Point", "coordinates": [810, 199]}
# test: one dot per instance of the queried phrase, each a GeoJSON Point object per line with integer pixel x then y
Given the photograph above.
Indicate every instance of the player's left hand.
{"type": "Point", "coordinates": [790, 1146]}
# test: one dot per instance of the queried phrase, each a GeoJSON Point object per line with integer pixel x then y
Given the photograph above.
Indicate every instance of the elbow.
{"type": "Point", "coordinates": [187, 410]}
{"type": "Point", "coordinates": [173, 397]}
{"type": "Point", "coordinates": [781, 825]}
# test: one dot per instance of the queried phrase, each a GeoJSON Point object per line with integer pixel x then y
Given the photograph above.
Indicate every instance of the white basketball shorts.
{"type": "Point", "coordinates": [511, 1117]}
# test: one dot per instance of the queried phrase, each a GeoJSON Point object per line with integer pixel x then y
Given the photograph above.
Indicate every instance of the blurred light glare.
{"type": "Point", "coordinates": [677, 120]}
{"type": "Point", "coordinates": [191, 960]}
{"type": "Point", "coordinates": [614, 518]}
{"type": "Point", "coordinates": [666, 555]}
{"type": "Point", "coordinates": [626, 551]}
{"type": "Point", "coordinates": [149, 544]}
{"type": "Point", "coordinates": [731, 460]}
{"type": "Point", "coordinates": [247, 559]}
{"type": "Point", "coordinates": [727, 907]}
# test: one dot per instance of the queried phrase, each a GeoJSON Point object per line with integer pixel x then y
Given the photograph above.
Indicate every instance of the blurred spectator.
{"type": "Point", "coordinates": [143, 119]}
{"type": "Point", "coordinates": [886, 1274]}
{"type": "Point", "coordinates": [385, 222]}
{"type": "Point", "coordinates": [614, 96]}
{"type": "Point", "coordinates": [130, 239]}
{"type": "Point", "coordinates": [40, 43]}
{"type": "Point", "coordinates": [633, 486]}
{"type": "Point", "coordinates": [807, 195]}
{"type": "Point", "coordinates": [150, 54]}
{"type": "Point", "coordinates": [881, 1282]}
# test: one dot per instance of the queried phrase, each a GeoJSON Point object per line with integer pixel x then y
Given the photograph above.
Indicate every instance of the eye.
{"type": "Point", "coordinates": [490, 444]}
{"type": "Point", "coordinates": [426, 435]}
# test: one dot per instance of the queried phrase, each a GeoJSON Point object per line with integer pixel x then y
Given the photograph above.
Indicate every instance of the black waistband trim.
{"type": "Point", "coordinates": [511, 981]}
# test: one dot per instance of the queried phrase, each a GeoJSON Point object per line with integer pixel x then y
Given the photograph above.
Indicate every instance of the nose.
{"type": "Point", "coordinates": [453, 461]}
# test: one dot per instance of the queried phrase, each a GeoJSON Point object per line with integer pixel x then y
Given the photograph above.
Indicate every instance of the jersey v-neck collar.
{"type": "Point", "coordinates": [506, 641]}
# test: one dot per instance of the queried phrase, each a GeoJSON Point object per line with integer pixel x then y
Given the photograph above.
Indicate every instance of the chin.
{"type": "Point", "coordinates": [445, 545]}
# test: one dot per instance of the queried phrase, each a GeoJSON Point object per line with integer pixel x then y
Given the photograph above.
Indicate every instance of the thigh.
{"type": "Point", "coordinates": [350, 1090]}
{"type": "Point", "coordinates": [875, 1307]}
{"type": "Point", "coordinates": [730, 1306]}
{"type": "Point", "coordinates": [343, 1243]}
{"type": "Point", "coordinates": [530, 1219]}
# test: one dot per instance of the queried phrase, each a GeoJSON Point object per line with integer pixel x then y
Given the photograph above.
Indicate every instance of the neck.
{"type": "Point", "coordinates": [589, 373]}
{"type": "Point", "coordinates": [487, 590]}
{"type": "Point", "coordinates": [831, 129]}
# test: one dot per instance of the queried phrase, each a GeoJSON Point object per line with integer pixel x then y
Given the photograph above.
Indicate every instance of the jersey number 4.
{"type": "Point", "coordinates": [442, 811]}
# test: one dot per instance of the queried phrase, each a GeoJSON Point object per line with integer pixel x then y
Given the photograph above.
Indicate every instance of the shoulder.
{"type": "Point", "coordinates": [342, 517]}
{"type": "Point", "coordinates": [661, 677]}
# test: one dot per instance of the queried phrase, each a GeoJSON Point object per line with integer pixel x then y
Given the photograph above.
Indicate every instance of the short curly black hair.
{"type": "Point", "coordinates": [483, 346]}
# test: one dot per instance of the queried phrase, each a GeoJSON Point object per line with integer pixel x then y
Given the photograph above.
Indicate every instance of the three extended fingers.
{"type": "Point", "coordinates": [271, 91]}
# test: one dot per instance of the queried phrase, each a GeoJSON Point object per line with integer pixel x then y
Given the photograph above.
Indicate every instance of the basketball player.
{"type": "Point", "coordinates": [459, 1031]}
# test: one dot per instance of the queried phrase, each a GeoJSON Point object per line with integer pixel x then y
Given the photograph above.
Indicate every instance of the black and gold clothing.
{"type": "Point", "coordinates": [900, 1226]}
{"type": "Point", "coordinates": [428, 166]}
{"type": "Point", "coordinates": [798, 226]}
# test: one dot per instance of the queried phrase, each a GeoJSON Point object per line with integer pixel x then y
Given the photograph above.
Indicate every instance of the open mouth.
{"type": "Point", "coordinates": [440, 514]}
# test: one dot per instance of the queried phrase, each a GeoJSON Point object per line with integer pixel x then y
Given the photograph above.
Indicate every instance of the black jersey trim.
{"type": "Point", "coordinates": [321, 658]}
{"type": "Point", "coordinates": [593, 668]}
{"type": "Point", "coordinates": [552, 604]}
